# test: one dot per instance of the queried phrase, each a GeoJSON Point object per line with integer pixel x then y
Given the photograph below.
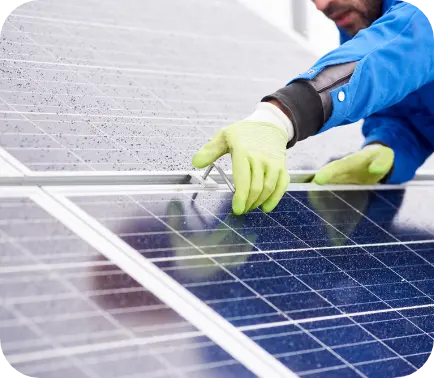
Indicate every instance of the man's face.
{"type": "Point", "coordinates": [351, 15]}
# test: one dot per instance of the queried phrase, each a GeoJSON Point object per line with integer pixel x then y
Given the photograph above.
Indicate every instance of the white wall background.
{"type": "Point", "coordinates": [321, 33]}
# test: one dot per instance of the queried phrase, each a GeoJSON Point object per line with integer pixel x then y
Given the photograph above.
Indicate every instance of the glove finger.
{"type": "Point", "coordinates": [270, 182]}
{"type": "Point", "coordinates": [334, 172]}
{"type": "Point", "coordinates": [211, 151]}
{"type": "Point", "coordinates": [383, 162]}
{"type": "Point", "coordinates": [326, 174]}
{"type": "Point", "coordinates": [257, 183]}
{"type": "Point", "coordinates": [241, 174]}
{"type": "Point", "coordinates": [281, 187]}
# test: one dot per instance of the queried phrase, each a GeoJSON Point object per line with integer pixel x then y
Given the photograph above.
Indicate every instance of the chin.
{"type": "Point", "coordinates": [353, 31]}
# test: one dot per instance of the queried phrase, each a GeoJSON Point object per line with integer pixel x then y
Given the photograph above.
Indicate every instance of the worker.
{"type": "Point", "coordinates": [383, 73]}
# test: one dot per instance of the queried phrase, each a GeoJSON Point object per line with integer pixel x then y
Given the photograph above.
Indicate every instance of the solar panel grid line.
{"type": "Point", "coordinates": [70, 149]}
{"type": "Point", "coordinates": [33, 113]}
{"type": "Point", "coordinates": [196, 39]}
{"type": "Point", "coordinates": [65, 266]}
{"type": "Point", "coordinates": [115, 141]}
{"type": "Point", "coordinates": [331, 317]}
{"type": "Point", "coordinates": [231, 254]}
{"type": "Point", "coordinates": [84, 349]}
{"type": "Point", "coordinates": [30, 299]}
{"type": "Point", "coordinates": [388, 267]}
{"type": "Point", "coordinates": [367, 288]}
{"type": "Point", "coordinates": [20, 14]}
{"type": "Point", "coordinates": [33, 321]}
{"type": "Point", "coordinates": [413, 251]}
{"type": "Point", "coordinates": [142, 70]}
{"type": "Point", "coordinates": [157, 348]}
{"type": "Point", "coordinates": [51, 137]}
{"type": "Point", "coordinates": [142, 96]}
{"type": "Point", "coordinates": [321, 369]}
{"type": "Point", "coordinates": [161, 100]}
{"type": "Point", "coordinates": [384, 230]}
{"type": "Point", "coordinates": [256, 338]}
{"type": "Point", "coordinates": [243, 350]}
{"type": "Point", "coordinates": [337, 345]}
{"type": "Point", "coordinates": [103, 314]}
{"type": "Point", "coordinates": [316, 371]}
{"type": "Point", "coordinates": [370, 254]}
{"type": "Point", "coordinates": [328, 301]}
{"type": "Point", "coordinates": [259, 295]}
{"type": "Point", "coordinates": [76, 155]}
{"type": "Point", "coordinates": [37, 330]}
{"type": "Point", "coordinates": [119, 356]}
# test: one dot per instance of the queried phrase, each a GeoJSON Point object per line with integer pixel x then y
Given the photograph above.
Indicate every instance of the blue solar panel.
{"type": "Point", "coordinates": [318, 283]}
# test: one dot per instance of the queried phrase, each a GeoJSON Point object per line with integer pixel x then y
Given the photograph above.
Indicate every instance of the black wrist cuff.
{"type": "Point", "coordinates": [304, 106]}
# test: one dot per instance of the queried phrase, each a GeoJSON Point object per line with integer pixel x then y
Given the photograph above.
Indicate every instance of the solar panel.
{"type": "Point", "coordinates": [318, 283]}
{"type": "Point", "coordinates": [130, 87]}
{"type": "Point", "coordinates": [68, 310]}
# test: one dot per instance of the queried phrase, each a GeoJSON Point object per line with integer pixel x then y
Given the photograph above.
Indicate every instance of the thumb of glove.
{"type": "Point", "coordinates": [382, 162]}
{"type": "Point", "coordinates": [211, 151]}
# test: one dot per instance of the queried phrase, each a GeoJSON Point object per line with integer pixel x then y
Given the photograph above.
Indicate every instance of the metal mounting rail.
{"type": "Point", "coordinates": [212, 179]}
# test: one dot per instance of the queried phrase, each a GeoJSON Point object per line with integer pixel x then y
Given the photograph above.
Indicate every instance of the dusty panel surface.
{"type": "Point", "coordinates": [132, 85]}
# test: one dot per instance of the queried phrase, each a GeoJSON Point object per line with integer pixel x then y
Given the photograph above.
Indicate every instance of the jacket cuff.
{"type": "Point", "coordinates": [304, 106]}
{"type": "Point", "coordinates": [308, 100]}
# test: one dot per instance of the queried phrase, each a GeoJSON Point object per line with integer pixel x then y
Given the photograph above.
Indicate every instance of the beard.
{"type": "Point", "coordinates": [362, 13]}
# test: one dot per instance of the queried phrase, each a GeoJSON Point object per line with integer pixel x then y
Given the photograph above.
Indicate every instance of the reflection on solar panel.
{"type": "Point", "coordinates": [66, 310]}
{"type": "Point", "coordinates": [316, 283]}
{"type": "Point", "coordinates": [129, 281]}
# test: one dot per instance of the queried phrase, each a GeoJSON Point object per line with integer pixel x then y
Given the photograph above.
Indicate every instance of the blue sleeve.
{"type": "Point", "coordinates": [410, 148]}
{"type": "Point", "coordinates": [395, 57]}
{"type": "Point", "coordinates": [343, 36]}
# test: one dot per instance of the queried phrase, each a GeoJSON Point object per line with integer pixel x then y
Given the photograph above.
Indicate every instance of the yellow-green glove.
{"type": "Point", "coordinates": [366, 167]}
{"type": "Point", "coordinates": [258, 150]}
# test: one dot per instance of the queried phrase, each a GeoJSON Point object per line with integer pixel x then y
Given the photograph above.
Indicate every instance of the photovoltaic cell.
{"type": "Point", "coordinates": [59, 294]}
{"type": "Point", "coordinates": [352, 294]}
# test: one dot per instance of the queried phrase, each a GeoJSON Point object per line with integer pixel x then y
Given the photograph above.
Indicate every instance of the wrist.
{"type": "Point", "coordinates": [373, 146]}
{"type": "Point", "coordinates": [272, 113]}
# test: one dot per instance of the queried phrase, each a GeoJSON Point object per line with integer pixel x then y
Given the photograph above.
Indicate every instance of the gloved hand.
{"type": "Point", "coordinates": [366, 167]}
{"type": "Point", "coordinates": [258, 150]}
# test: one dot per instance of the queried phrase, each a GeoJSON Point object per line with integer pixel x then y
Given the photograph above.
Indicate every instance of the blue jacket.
{"type": "Point", "coordinates": [391, 87]}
